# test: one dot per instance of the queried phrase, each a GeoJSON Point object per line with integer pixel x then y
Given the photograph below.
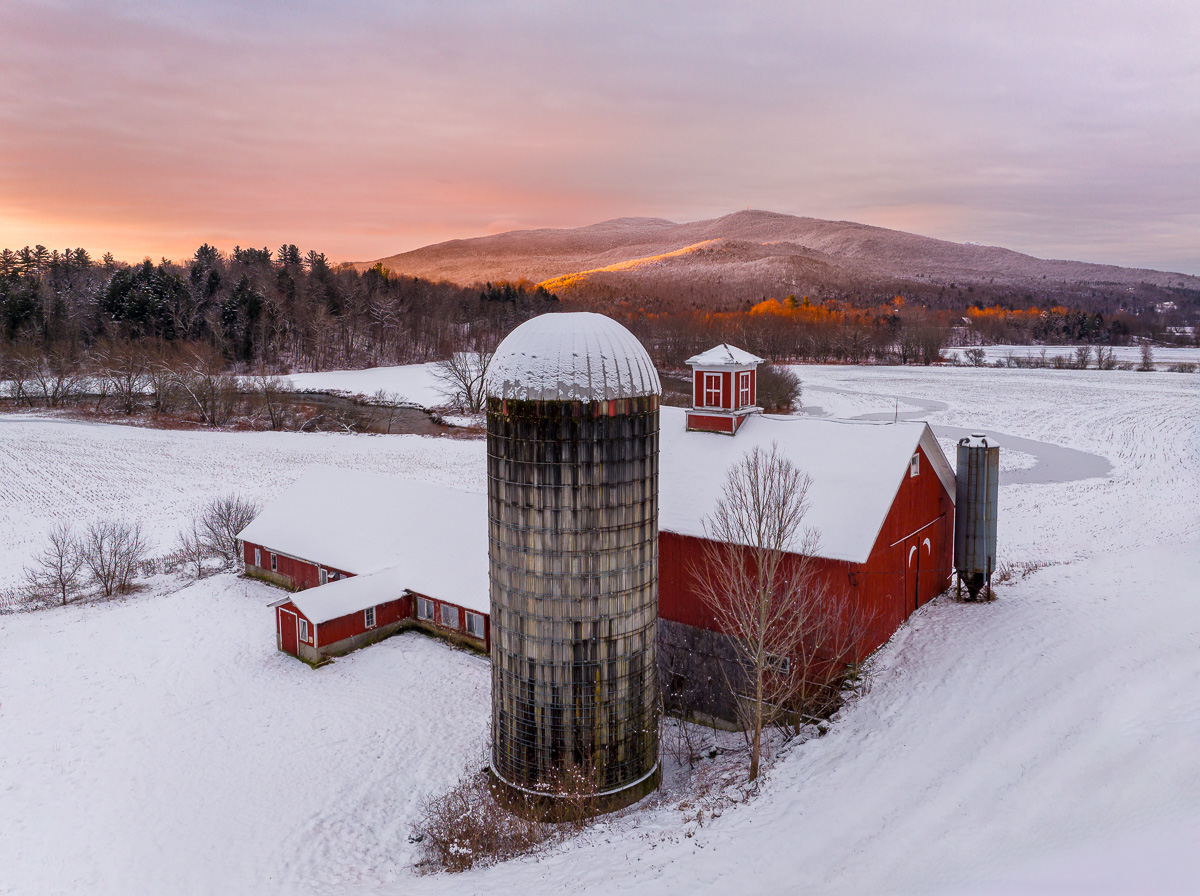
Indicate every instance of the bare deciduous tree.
{"type": "Point", "coordinates": [112, 550]}
{"type": "Point", "coordinates": [460, 379]}
{"type": "Point", "coordinates": [221, 522]}
{"type": "Point", "coordinates": [124, 372]}
{"type": "Point", "coordinates": [272, 392]}
{"type": "Point", "coordinates": [57, 568]}
{"type": "Point", "coordinates": [759, 578]}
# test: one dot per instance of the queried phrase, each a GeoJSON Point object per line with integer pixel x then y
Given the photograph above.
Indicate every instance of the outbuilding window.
{"type": "Point", "coordinates": [914, 465]}
{"type": "Point", "coordinates": [258, 557]}
{"type": "Point", "coordinates": [274, 563]}
{"type": "Point", "coordinates": [302, 626]}
{"type": "Point", "coordinates": [322, 576]}
{"type": "Point", "coordinates": [475, 625]}
{"type": "Point", "coordinates": [370, 617]}
{"type": "Point", "coordinates": [449, 616]}
{"type": "Point", "coordinates": [425, 609]}
{"type": "Point", "coordinates": [712, 390]}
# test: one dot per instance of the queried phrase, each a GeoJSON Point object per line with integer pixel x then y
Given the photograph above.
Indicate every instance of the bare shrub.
{"type": "Point", "coordinates": [1147, 363]}
{"type": "Point", "coordinates": [1083, 354]}
{"type": "Point", "coordinates": [58, 568]}
{"type": "Point", "coordinates": [192, 548]}
{"type": "Point", "coordinates": [1183, 367]}
{"type": "Point", "coordinates": [112, 551]}
{"type": "Point", "coordinates": [779, 388]}
{"type": "Point", "coordinates": [220, 524]}
{"type": "Point", "coordinates": [474, 823]}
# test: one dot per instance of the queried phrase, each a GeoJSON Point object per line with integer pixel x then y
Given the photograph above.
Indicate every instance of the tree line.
{"type": "Point", "coordinates": [254, 308]}
{"type": "Point", "coordinates": [263, 311]}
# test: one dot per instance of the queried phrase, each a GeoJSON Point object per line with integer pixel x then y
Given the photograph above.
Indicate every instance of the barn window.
{"type": "Point", "coordinates": [424, 608]}
{"type": "Point", "coordinates": [370, 617]}
{"type": "Point", "coordinates": [274, 563]}
{"type": "Point", "coordinates": [712, 390]}
{"type": "Point", "coordinates": [914, 465]}
{"type": "Point", "coordinates": [780, 665]}
{"type": "Point", "coordinates": [743, 381]}
{"type": "Point", "coordinates": [449, 616]}
{"type": "Point", "coordinates": [303, 629]}
{"type": "Point", "coordinates": [475, 625]}
{"type": "Point", "coordinates": [322, 576]}
{"type": "Point", "coordinates": [258, 557]}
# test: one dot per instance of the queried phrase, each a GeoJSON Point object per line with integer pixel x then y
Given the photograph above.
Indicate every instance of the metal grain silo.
{"type": "Point", "coordinates": [572, 430]}
{"type": "Point", "coordinates": [976, 500]}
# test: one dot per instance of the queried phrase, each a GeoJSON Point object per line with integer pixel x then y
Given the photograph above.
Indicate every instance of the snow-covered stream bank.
{"type": "Point", "coordinates": [1047, 740]}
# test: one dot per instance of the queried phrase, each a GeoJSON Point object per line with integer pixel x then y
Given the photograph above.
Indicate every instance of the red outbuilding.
{"type": "Point", "coordinates": [367, 559]}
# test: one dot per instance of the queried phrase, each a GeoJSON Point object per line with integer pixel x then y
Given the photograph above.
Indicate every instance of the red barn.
{"type": "Point", "coordinates": [881, 499]}
{"type": "Point", "coordinates": [382, 561]}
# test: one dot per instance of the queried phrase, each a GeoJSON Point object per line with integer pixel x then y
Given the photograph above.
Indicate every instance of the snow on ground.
{"type": "Point", "coordinates": [412, 383]}
{"type": "Point", "coordinates": [54, 470]}
{"type": "Point", "coordinates": [1034, 744]}
{"type": "Point", "coordinates": [161, 745]}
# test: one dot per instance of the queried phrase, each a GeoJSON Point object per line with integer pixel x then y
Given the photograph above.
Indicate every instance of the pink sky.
{"type": "Point", "coordinates": [148, 128]}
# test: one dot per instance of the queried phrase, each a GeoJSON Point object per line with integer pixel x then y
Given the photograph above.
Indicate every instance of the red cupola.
{"type": "Point", "coordinates": [724, 389]}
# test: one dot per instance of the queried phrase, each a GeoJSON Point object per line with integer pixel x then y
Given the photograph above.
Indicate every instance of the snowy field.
{"type": "Point", "coordinates": [1048, 742]}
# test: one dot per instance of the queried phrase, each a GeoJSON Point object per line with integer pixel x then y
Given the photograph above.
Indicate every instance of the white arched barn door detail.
{"type": "Point", "coordinates": [912, 551]}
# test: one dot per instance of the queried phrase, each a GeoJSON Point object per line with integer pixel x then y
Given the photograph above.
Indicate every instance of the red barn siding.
{"type": "Point", "coordinates": [355, 623]}
{"type": "Point", "coordinates": [884, 591]}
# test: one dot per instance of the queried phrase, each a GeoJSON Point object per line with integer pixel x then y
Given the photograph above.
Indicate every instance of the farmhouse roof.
{"type": "Point", "coordinates": [578, 356]}
{"type": "Point", "coordinates": [723, 355]}
{"type": "Point", "coordinates": [432, 538]}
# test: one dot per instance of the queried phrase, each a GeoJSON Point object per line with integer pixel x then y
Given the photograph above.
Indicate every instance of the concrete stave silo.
{"type": "Point", "coordinates": [573, 405]}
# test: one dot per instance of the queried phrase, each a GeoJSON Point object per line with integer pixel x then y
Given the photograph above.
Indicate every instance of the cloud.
{"type": "Point", "coordinates": [373, 127]}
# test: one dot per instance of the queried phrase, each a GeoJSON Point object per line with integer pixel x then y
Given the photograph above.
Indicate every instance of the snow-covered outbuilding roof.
{"type": "Point", "coordinates": [579, 356]}
{"type": "Point", "coordinates": [345, 596]}
{"type": "Point", "coordinates": [431, 538]}
{"type": "Point", "coordinates": [723, 355]}
{"type": "Point", "coordinates": [856, 469]}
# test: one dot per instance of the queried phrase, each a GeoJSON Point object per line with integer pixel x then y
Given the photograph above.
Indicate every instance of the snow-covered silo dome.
{"type": "Point", "coordinates": [579, 356]}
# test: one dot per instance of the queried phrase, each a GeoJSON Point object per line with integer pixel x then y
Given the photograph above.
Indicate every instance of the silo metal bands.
{"type": "Point", "coordinates": [573, 541]}
{"type": "Point", "coordinates": [976, 509]}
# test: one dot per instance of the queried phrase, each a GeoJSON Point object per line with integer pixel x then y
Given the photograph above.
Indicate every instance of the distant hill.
{"type": "Point", "coordinates": [727, 261]}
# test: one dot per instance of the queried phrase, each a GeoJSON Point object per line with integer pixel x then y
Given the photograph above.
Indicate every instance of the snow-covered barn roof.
{"type": "Point", "coordinates": [432, 538]}
{"type": "Point", "coordinates": [723, 355]}
{"type": "Point", "coordinates": [856, 469]}
{"type": "Point", "coordinates": [578, 356]}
